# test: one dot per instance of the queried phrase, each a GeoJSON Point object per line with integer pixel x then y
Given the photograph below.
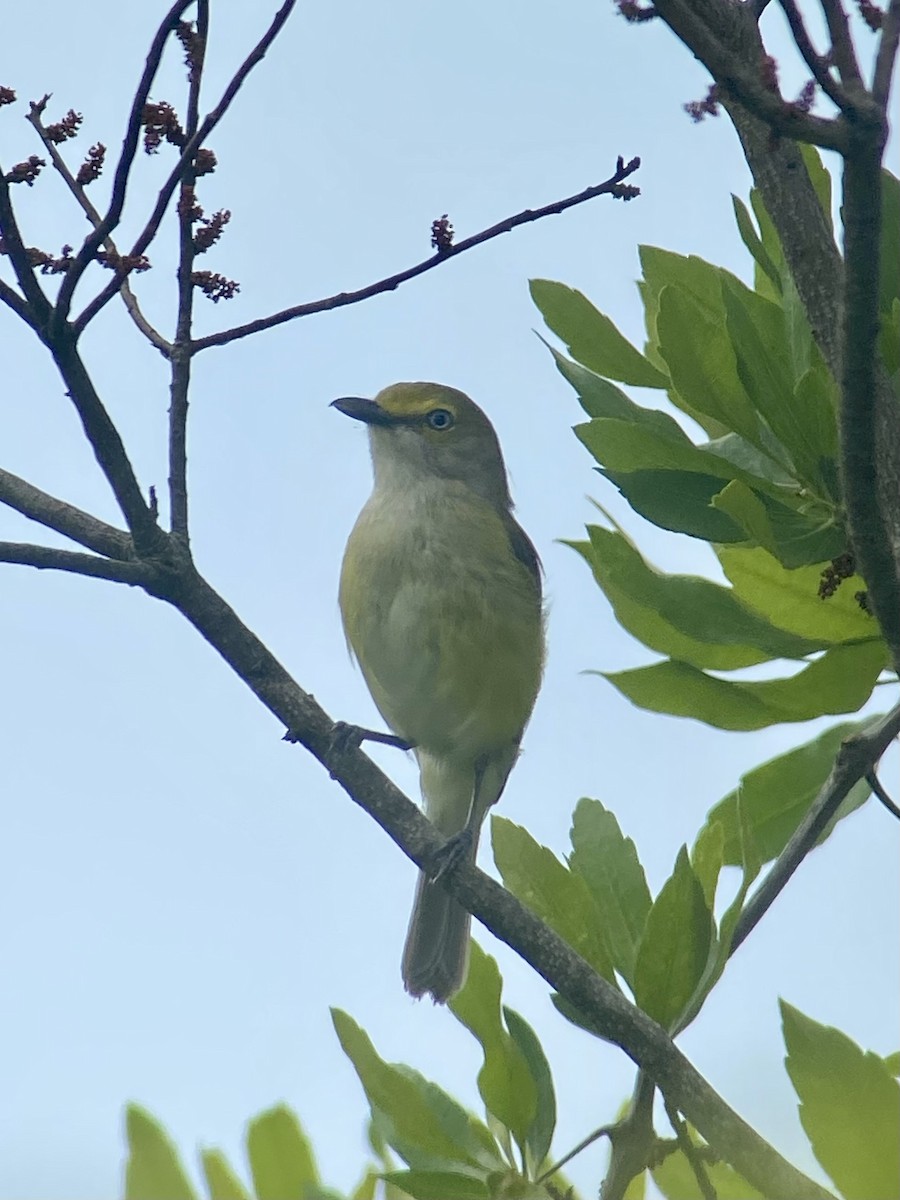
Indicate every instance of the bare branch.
{"type": "Point", "coordinates": [857, 757]}
{"type": "Point", "coordinates": [816, 63]}
{"type": "Point", "coordinates": [730, 50]}
{"type": "Point", "coordinates": [611, 1015]}
{"type": "Point", "coordinates": [123, 168]}
{"type": "Point", "coordinates": [38, 304]}
{"type": "Point", "coordinates": [64, 518]}
{"type": "Point", "coordinates": [842, 44]}
{"type": "Point", "coordinates": [13, 300]}
{"type": "Point", "coordinates": [875, 784]}
{"type": "Point", "coordinates": [187, 157]}
{"type": "Point", "coordinates": [106, 443]}
{"type": "Point", "coordinates": [610, 187]}
{"type": "Point", "coordinates": [181, 359]}
{"type": "Point", "coordinates": [48, 557]}
{"type": "Point", "coordinates": [887, 55]}
{"type": "Point", "coordinates": [128, 297]}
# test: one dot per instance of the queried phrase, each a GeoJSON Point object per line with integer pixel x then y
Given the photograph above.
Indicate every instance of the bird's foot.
{"type": "Point", "coordinates": [454, 851]}
{"type": "Point", "coordinates": [350, 737]}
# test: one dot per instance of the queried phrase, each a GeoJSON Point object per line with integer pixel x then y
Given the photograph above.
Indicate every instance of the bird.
{"type": "Point", "coordinates": [441, 601]}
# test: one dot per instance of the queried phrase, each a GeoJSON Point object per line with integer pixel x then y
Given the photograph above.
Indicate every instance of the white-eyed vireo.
{"type": "Point", "coordinates": [441, 600]}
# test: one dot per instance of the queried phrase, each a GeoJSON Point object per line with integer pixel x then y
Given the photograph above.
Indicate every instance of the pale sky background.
{"type": "Point", "coordinates": [182, 895]}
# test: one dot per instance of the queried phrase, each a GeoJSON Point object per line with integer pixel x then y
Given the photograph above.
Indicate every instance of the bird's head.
{"type": "Point", "coordinates": [424, 431]}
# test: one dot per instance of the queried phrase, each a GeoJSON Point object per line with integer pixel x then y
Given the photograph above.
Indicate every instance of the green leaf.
{"type": "Point", "coordinates": [281, 1158]}
{"type": "Point", "coordinates": [222, 1183]}
{"type": "Point", "coordinates": [425, 1125]}
{"type": "Point", "coordinates": [840, 681]}
{"type": "Point", "coordinates": [849, 1107]}
{"type": "Point", "coordinates": [753, 461]}
{"type": "Point", "coordinates": [675, 946]}
{"type": "Point", "coordinates": [591, 337]}
{"type": "Point", "coordinates": [684, 616]}
{"type": "Point", "coordinates": [695, 343]}
{"type": "Point", "coordinates": [555, 894]}
{"type": "Point", "coordinates": [600, 398]}
{"type": "Point", "coordinates": [790, 599]}
{"type": "Point", "coordinates": [608, 863]}
{"type": "Point", "coordinates": [679, 501]}
{"type": "Point", "coordinates": [752, 241]}
{"type": "Point", "coordinates": [892, 1062]}
{"type": "Point", "coordinates": [676, 1180]}
{"type": "Point", "coordinates": [820, 179]}
{"type": "Point", "coordinates": [802, 420]}
{"type": "Point", "coordinates": [744, 507]}
{"type": "Point", "coordinates": [796, 538]}
{"type": "Point", "coordinates": [153, 1170]}
{"type": "Point", "coordinates": [367, 1188]}
{"type": "Point", "coordinates": [768, 233]}
{"type": "Point", "coordinates": [505, 1082]}
{"type": "Point", "coordinates": [708, 858]}
{"type": "Point", "coordinates": [540, 1135]}
{"type": "Point", "coordinates": [776, 795]}
{"type": "Point", "coordinates": [439, 1185]}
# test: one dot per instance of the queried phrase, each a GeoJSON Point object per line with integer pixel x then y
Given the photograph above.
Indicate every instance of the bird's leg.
{"type": "Point", "coordinates": [460, 846]}
{"type": "Point", "coordinates": [345, 736]}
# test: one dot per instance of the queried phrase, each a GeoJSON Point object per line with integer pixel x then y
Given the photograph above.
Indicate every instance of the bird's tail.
{"type": "Point", "coordinates": [437, 944]}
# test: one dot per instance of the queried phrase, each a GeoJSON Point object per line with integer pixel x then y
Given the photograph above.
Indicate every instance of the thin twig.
{"type": "Point", "coordinates": [690, 1152]}
{"type": "Point", "coordinates": [49, 558]}
{"type": "Point", "coordinates": [64, 518]}
{"type": "Point", "coordinates": [37, 302]}
{"type": "Point", "coordinates": [875, 784]}
{"type": "Point", "coordinates": [390, 282]}
{"type": "Point", "coordinates": [181, 359]}
{"type": "Point", "coordinates": [603, 1131]}
{"type": "Point", "coordinates": [128, 297]}
{"type": "Point", "coordinates": [855, 759]}
{"type": "Point", "coordinates": [842, 47]}
{"type": "Point", "coordinates": [123, 168]}
{"type": "Point", "coordinates": [816, 63]}
{"type": "Point", "coordinates": [187, 156]}
{"type": "Point", "coordinates": [887, 54]}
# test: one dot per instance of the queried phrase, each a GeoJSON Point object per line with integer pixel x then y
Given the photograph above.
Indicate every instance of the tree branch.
{"type": "Point", "coordinates": [38, 304]}
{"type": "Point", "coordinates": [64, 518]}
{"type": "Point", "coordinates": [13, 300]}
{"type": "Point", "coordinates": [209, 123]}
{"type": "Point", "coordinates": [128, 297]}
{"type": "Point", "coordinates": [610, 187]}
{"type": "Point", "coordinates": [48, 557]}
{"type": "Point", "coordinates": [842, 44]}
{"type": "Point", "coordinates": [887, 54]}
{"type": "Point", "coordinates": [856, 758]}
{"type": "Point", "coordinates": [181, 358]}
{"type": "Point", "coordinates": [612, 1016]}
{"type": "Point", "coordinates": [94, 240]}
{"type": "Point", "coordinates": [816, 63]}
{"type": "Point", "coordinates": [106, 443]}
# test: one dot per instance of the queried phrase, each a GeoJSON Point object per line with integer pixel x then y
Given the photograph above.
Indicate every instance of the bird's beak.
{"type": "Point", "coordinates": [361, 409]}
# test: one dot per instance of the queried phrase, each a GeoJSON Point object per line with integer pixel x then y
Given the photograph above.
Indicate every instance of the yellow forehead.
{"type": "Point", "coordinates": [414, 399]}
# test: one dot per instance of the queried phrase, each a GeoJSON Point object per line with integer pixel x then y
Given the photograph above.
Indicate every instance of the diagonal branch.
{"type": "Point", "coordinates": [608, 1012]}
{"type": "Point", "coordinates": [816, 63]}
{"type": "Point", "coordinates": [106, 443]}
{"type": "Point", "coordinates": [209, 123]}
{"type": "Point", "coordinates": [48, 557]}
{"type": "Point", "coordinates": [128, 297]}
{"type": "Point", "coordinates": [94, 240]}
{"type": "Point", "coordinates": [11, 298]}
{"type": "Point", "coordinates": [856, 758]}
{"type": "Point", "coordinates": [610, 187]}
{"type": "Point", "coordinates": [38, 305]}
{"type": "Point", "coordinates": [64, 518]}
{"type": "Point", "coordinates": [842, 43]}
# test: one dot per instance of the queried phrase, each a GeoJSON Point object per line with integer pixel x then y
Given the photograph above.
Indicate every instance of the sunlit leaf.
{"type": "Point", "coordinates": [153, 1170]}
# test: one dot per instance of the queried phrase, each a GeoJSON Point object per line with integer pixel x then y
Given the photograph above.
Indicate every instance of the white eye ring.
{"type": "Point", "coordinates": [440, 419]}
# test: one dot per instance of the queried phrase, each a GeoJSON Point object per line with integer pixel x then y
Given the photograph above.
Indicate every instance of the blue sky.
{"type": "Point", "coordinates": [183, 895]}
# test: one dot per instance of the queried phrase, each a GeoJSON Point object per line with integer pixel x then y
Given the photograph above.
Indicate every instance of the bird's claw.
{"type": "Point", "coordinates": [450, 855]}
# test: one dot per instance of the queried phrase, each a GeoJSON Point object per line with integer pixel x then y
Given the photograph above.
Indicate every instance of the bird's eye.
{"type": "Point", "coordinates": [439, 418]}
